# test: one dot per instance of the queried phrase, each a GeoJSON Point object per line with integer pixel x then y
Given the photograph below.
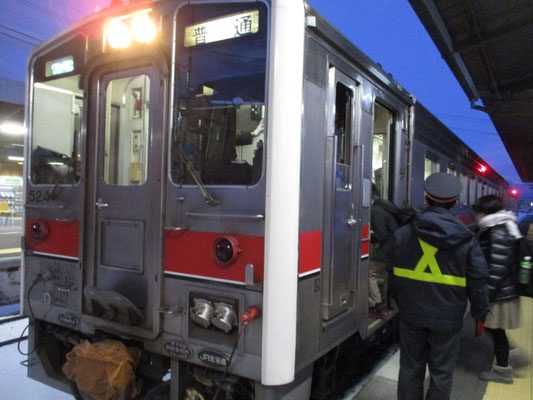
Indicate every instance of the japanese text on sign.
{"type": "Point", "coordinates": [229, 27]}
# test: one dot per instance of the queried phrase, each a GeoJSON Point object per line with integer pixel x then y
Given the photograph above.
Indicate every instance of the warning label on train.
{"type": "Point", "coordinates": [177, 349]}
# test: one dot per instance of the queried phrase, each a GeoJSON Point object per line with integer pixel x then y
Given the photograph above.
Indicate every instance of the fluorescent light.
{"type": "Point", "coordinates": [12, 128]}
{"type": "Point", "coordinates": [15, 158]}
{"type": "Point", "coordinates": [53, 89]}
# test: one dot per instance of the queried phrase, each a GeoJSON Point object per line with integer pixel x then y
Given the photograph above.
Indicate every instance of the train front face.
{"type": "Point", "coordinates": [146, 181]}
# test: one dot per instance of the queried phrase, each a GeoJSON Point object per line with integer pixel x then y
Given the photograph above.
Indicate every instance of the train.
{"type": "Point", "coordinates": [198, 187]}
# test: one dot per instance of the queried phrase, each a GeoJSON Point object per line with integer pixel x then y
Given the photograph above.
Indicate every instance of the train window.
{"type": "Point", "coordinates": [381, 148]}
{"type": "Point", "coordinates": [472, 190]}
{"type": "Point", "coordinates": [127, 131]}
{"type": "Point", "coordinates": [464, 194]}
{"type": "Point", "coordinates": [451, 171]}
{"type": "Point", "coordinates": [343, 134]}
{"type": "Point", "coordinates": [218, 133]}
{"type": "Point", "coordinates": [56, 121]}
{"type": "Point", "coordinates": [430, 166]}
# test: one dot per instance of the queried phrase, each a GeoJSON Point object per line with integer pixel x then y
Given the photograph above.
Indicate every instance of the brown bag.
{"type": "Point", "coordinates": [105, 370]}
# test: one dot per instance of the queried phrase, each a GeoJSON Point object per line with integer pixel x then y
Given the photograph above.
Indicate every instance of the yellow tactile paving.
{"type": "Point", "coordinates": [9, 251]}
{"type": "Point", "coordinates": [522, 388]}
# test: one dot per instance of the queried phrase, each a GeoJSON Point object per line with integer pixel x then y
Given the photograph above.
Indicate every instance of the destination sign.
{"type": "Point", "coordinates": [228, 27]}
{"type": "Point", "coordinates": [59, 67]}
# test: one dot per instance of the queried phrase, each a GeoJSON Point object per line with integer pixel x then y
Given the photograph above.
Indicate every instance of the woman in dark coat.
{"type": "Point", "coordinates": [498, 233]}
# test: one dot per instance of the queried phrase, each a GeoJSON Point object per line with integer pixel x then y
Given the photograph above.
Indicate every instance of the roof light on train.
{"type": "Point", "coordinates": [143, 28]}
{"type": "Point", "coordinates": [118, 35]}
{"type": "Point", "coordinates": [482, 168]}
{"type": "Point", "coordinates": [138, 26]}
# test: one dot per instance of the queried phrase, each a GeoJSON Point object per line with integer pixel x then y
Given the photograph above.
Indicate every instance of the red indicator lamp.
{"type": "Point", "coordinates": [514, 192]}
{"type": "Point", "coordinates": [226, 250]}
{"type": "Point", "coordinates": [39, 230]}
{"type": "Point", "coordinates": [482, 168]}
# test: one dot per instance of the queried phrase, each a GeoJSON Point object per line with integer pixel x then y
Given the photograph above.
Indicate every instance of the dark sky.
{"type": "Point", "coordinates": [388, 31]}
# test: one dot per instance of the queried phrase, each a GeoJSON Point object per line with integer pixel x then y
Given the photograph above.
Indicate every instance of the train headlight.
{"type": "Point", "coordinates": [138, 26]}
{"type": "Point", "coordinates": [118, 35]}
{"type": "Point", "coordinates": [226, 250]}
{"type": "Point", "coordinates": [143, 28]}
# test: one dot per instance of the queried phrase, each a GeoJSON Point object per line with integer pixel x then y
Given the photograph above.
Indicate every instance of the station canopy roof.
{"type": "Point", "coordinates": [488, 44]}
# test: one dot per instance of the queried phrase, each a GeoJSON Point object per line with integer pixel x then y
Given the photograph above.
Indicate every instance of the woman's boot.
{"type": "Point", "coordinates": [498, 374]}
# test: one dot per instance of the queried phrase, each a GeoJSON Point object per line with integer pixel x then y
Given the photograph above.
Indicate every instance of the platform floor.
{"type": "Point", "coordinates": [475, 356]}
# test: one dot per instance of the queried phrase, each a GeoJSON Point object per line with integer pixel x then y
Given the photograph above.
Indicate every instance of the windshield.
{"type": "Point", "coordinates": [220, 94]}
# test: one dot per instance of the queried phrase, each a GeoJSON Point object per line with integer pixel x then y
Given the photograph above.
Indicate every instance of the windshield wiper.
{"type": "Point", "coordinates": [210, 200]}
{"type": "Point", "coordinates": [67, 164]}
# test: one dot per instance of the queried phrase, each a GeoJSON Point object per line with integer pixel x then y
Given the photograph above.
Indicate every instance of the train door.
{"type": "Point", "coordinates": [390, 151]}
{"type": "Point", "coordinates": [124, 199]}
{"type": "Point", "coordinates": [340, 249]}
{"type": "Point", "coordinates": [384, 178]}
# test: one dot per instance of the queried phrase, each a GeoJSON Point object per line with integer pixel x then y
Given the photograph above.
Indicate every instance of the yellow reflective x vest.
{"type": "Point", "coordinates": [434, 275]}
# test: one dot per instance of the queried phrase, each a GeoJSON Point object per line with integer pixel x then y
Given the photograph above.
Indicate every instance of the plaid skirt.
{"type": "Point", "coordinates": [504, 314]}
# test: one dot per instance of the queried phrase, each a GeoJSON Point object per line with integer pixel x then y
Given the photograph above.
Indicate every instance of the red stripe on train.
{"type": "Point", "coordinates": [60, 238]}
{"type": "Point", "coordinates": [365, 248]}
{"type": "Point", "coordinates": [365, 232]}
{"type": "Point", "coordinates": [190, 253]}
{"type": "Point", "coordinates": [310, 251]}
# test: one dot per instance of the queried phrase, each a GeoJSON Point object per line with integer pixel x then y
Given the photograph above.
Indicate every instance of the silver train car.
{"type": "Point", "coordinates": [198, 186]}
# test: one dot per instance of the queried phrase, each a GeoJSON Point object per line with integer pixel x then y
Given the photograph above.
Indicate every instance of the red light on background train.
{"type": "Point", "coordinates": [514, 192]}
{"type": "Point", "coordinates": [482, 168]}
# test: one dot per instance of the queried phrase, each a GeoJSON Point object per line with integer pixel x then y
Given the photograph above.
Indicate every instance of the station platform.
{"type": "Point", "coordinates": [475, 356]}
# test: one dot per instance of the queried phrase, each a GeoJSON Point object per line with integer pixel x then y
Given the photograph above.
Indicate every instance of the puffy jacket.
{"type": "Point", "coordinates": [383, 224]}
{"type": "Point", "coordinates": [499, 248]}
{"type": "Point", "coordinates": [436, 264]}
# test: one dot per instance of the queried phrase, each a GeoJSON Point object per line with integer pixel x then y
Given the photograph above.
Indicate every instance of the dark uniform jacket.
{"type": "Point", "coordinates": [384, 224]}
{"type": "Point", "coordinates": [499, 248]}
{"type": "Point", "coordinates": [436, 265]}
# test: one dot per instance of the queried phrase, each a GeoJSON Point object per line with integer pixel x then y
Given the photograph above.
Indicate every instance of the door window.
{"type": "Point", "coordinates": [127, 131]}
{"type": "Point", "coordinates": [381, 149]}
{"type": "Point", "coordinates": [57, 113]}
{"type": "Point", "coordinates": [343, 134]}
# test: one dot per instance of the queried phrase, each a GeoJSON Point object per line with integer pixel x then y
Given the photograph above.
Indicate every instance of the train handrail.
{"type": "Point", "coordinates": [239, 216]}
{"type": "Point", "coordinates": [61, 206]}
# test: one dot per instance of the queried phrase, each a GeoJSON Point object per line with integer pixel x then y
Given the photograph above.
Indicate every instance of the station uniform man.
{"type": "Point", "coordinates": [436, 264]}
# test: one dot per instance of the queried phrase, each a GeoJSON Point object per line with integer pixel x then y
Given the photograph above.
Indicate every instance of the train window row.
{"type": "Point", "coordinates": [472, 187]}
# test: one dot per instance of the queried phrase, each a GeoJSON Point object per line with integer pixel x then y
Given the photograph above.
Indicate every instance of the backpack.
{"type": "Point", "coordinates": [524, 277]}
